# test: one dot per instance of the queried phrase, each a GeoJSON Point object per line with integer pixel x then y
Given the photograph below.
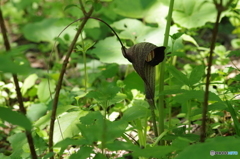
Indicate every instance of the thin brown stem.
{"type": "Point", "coordinates": [59, 84]}
{"type": "Point", "coordinates": [208, 76]}
{"type": "Point", "coordinates": [17, 88]}
{"type": "Point", "coordinates": [82, 8]}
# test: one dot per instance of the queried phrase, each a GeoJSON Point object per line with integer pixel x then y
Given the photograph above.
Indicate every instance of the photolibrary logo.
{"type": "Point", "coordinates": [212, 152]}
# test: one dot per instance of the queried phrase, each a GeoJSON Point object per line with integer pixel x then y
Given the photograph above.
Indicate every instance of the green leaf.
{"type": "Point", "coordinates": [105, 94]}
{"type": "Point", "coordinates": [97, 6]}
{"type": "Point", "coordinates": [110, 71]}
{"type": "Point", "coordinates": [172, 91]}
{"type": "Point", "coordinates": [8, 66]}
{"type": "Point", "coordinates": [133, 9]}
{"type": "Point", "coordinates": [136, 112]}
{"type": "Point", "coordinates": [100, 156]}
{"type": "Point", "coordinates": [217, 106]}
{"type": "Point", "coordinates": [132, 28]}
{"type": "Point", "coordinates": [15, 118]}
{"type": "Point", "coordinates": [176, 35]}
{"type": "Point", "coordinates": [195, 94]}
{"type": "Point", "coordinates": [44, 121]}
{"type": "Point", "coordinates": [216, 144]}
{"type": "Point", "coordinates": [109, 51]}
{"type": "Point", "coordinates": [115, 129]}
{"type": "Point", "coordinates": [234, 53]}
{"type": "Point", "coordinates": [118, 98]}
{"type": "Point", "coordinates": [190, 39]}
{"type": "Point", "coordinates": [29, 82]}
{"type": "Point", "coordinates": [189, 13]}
{"type": "Point", "coordinates": [83, 153]}
{"type": "Point", "coordinates": [196, 74]}
{"type": "Point", "coordinates": [178, 75]}
{"type": "Point", "coordinates": [35, 111]}
{"type": "Point", "coordinates": [70, 6]}
{"type": "Point", "coordinates": [120, 145]}
{"type": "Point", "coordinates": [47, 30]}
{"type": "Point", "coordinates": [154, 152]}
{"type": "Point", "coordinates": [180, 143]}
{"type": "Point", "coordinates": [68, 125]}
{"type": "Point", "coordinates": [44, 88]}
{"type": "Point", "coordinates": [17, 141]}
{"type": "Point", "coordinates": [91, 123]}
{"type": "Point", "coordinates": [63, 144]}
{"type": "Point", "coordinates": [152, 15]}
{"type": "Point", "coordinates": [137, 31]}
{"type": "Point", "coordinates": [134, 81]}
{"type": "Point", "coordinates": [94, 122]}
{"type": "Point", "coordinates": [2, 156]}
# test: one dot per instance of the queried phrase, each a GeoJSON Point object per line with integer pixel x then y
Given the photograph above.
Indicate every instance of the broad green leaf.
{"type": "Point", "coordinates": [234, 116]}
{"type": "Point", "coordinates": [43, 89]}
{"type": "Point", "coordinates": [47, 30]}
{"type": "Point", "coordinates": [2, 156]}
{"type": "Point", "coordinates": [70, 6]}
{"type": "Point", "coordinates": [118, 98]}
{"type": "Point", "coordinates": [44, 121]}
{"type": "Point", "coordinates": [190, 39]}
{"type": "Point", "coordinates": [91, 123]}
{"type": "Point", "coordinates": [83, 153]}
{"type": "Point", "coordinates": [135, 112]}
{"type": "Point", "coordinates": [131, 28]}
{"type": "Point", "coordinates": [180, 143]}
{"type": "Point", "coordinates": [120, 145]}
{"type": "Point", "coordinates": [15, 118]}
{"type": "Point", "coordinates": [152, 15]}
{"type": "Point", "coordinates": [115, 129]}
{"type": "Point", "coordinates": [68, 125]}
{"type": "Point", "coordinates": [109, 51]}
{"type": "Point", "coordinates": [217, 106]}
{"type": "Point", "coordinates": [176, 35]}
{"type": "Point", "coordinates": [35, 111]}
{"type": "Point", "coordinates": [100, 156]}
{"type": "Point", "coordinates": [110, 71]}
{"type": "Point", "coordinates": [217, 144]}
{"type": "Point", "coordinates": [17, 141]}
{"type": "Point", "coordinates": [189, 13]}
{"type": "Point", "coordinates": [137, 31]}
{"type": "Point", "coordinates": [178, 75]}
{"type": "Point", "coordinates": [63, 144]}
{"type": "Point", "coordinates": [195, 94]}
{"type": "Point", "coordinates": [91, 117]}
{"type": "Point", "coordinates": [134, 81]}
{"type": "Point", "coordinates": [8, 66]}
{"type": "Point", "coordinates": [133, 9]}
{"type": "Point", "coordinates": [172, 91]}
{"type": "Point", "coordinates": [155, 152]}
{"type": "Point", "coordinates": [196, 74]}
{"type": "Point", "coordinates": [29, 82]}
{"type": "Point", "coordinates": [94, 122]}
{"type": "Point", "coordinates": [234, 53]}
{"type": "Point", "coordinates": [105, 94]}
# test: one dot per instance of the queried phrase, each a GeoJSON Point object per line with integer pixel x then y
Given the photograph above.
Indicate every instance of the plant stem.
{"type": "Point", "coordinates": [18, 90]}
{"type": "Point", "coordinates": [160, 137]}
{"type": "Point", "coordinates": [85, 65]}
{"type": "Point", "coordinates": [210, 59]}
{"type": "Point", "coordinates": [189, 107]}
{"type": "Point", "coordinates": [104, 129]}
{"type": "Point", "coordinates": [161, 69]}
{"type": "Point", "coordinates": [59, 84]}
